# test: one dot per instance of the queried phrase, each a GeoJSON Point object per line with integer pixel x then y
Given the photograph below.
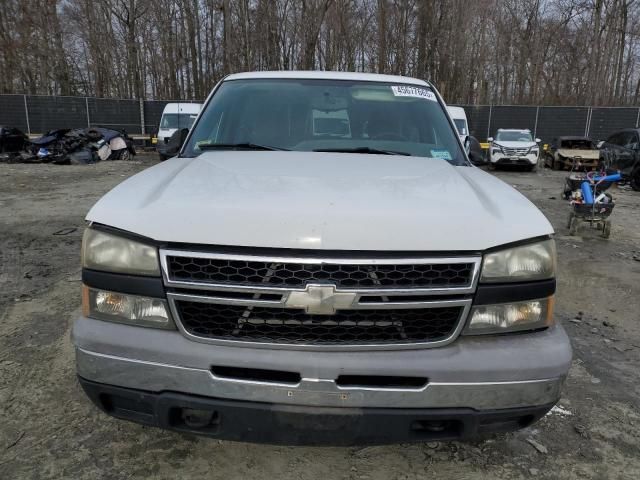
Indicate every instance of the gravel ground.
{"type": "Point", "coordinates": [48, 429]}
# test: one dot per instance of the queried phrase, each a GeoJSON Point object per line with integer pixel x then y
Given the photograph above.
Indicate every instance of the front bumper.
{"type": "Point", "coordinates": [524, 160]}
{"type": "Point", "coordinates": [256, 422]}
{"type": "Point", "coordinates": [317, 392]}
{"type": "Point", "coordinates": [469, 377]}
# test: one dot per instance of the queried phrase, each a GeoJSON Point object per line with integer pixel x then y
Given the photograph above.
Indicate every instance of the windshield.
{"type": "Point", "coordinates": [514, 136]}
{"type": "Point", "coordinates": [177, 120]}
{"type": "Point", "coordinates": [330, 115]}
{"type": "Point", "coordinates": [461, 125]}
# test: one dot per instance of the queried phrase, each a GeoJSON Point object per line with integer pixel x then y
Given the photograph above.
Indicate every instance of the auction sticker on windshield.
{"type": "Point", "coordinates": [443, 154]}
{"type": "Point", "coordinates": [407, 91]}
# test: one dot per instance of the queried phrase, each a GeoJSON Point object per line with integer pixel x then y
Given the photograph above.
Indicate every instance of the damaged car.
{"type": "Point", "coordinates": [79, 146]}
{"type": "Point", "coordinates": [621, 152]}
{"type": "Point", "coordinates": [572, 153]}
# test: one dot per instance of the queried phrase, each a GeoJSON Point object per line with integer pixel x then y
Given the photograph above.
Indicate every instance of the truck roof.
{"type": "Point", "coordinates": [321, 75]}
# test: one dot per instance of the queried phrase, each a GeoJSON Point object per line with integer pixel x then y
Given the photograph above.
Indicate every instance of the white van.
{"type": "Point", "coordinates": [459, 117]}
{"type": "Point", "coordinates": [176, 116]}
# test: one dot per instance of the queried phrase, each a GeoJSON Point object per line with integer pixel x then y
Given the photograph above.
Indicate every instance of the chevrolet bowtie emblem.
{"type": "Point", "coordinates": [320, 299]}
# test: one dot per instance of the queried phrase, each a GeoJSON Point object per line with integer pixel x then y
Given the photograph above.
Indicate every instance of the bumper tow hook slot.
{"type": "Point", "coordinates": [198, 418]}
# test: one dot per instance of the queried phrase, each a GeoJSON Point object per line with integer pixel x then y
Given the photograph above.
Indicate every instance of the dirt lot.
{"type": "Point", "coordinates": [48, 429]}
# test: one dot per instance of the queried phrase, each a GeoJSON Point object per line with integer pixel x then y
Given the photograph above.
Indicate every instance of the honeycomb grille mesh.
{"type": "Point", "coordinates": [352, 327]}
{"type": "Point", "coordinates": [244, 272]}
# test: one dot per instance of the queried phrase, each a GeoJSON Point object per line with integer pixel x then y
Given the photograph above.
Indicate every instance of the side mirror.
{"type": "Point", "coordinates": [538, 140]}
{"type": "Point", "coordinates": [476, 155]}
{"type": "Point", "coordinates": [490, 139]}
{"type": "Point", "coordinates": [183, 136]}
{"type": "Point", "coordinates": [467, 144]}
{"type": "Point", "coordinates": [173, 146]}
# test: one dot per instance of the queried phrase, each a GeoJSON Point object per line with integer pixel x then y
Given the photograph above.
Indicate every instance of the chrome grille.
{"type": "Point", "coordinates": [515, 151]}
{"type": "Point", "coordinates": [388, 301]}
{"type": "Point", "coordinates": [235, 271]}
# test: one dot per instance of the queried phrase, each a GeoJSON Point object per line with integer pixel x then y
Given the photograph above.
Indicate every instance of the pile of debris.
{"type": "Point", "coordinates": [79, 146]}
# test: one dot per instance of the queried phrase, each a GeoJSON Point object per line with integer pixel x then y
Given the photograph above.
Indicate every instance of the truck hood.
{"type": "Point", "coordinates": [586, 154]}
{"type": "Point", "coordinates": [331, 201]}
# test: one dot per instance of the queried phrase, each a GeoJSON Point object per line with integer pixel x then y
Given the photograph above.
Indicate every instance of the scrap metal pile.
{"type": "Point", "coordinates": [78, 146]}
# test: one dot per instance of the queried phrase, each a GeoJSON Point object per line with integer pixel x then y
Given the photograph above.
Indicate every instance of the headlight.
{"type": "Point", "coordinates": [536, 261]}
{"type": "Point", "coordinates": [125, 308]}
{"type": "Point", "coordinates": [533, 150]}
{"type": "Point", "coordinates": [111, 253]}
{"type": "Point", "coordinates": [511, 317]}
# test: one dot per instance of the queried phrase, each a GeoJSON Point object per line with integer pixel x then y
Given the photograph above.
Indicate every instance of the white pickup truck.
{"type": "Point", "coordinates": [321, 264]}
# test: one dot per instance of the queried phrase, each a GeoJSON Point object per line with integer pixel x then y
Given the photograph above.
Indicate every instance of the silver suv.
{"type": "Point", "coordinates": [320, 265]}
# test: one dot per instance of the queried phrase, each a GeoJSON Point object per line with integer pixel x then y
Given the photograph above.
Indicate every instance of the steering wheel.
{"type": "Point", "coordinates": [389, 136]}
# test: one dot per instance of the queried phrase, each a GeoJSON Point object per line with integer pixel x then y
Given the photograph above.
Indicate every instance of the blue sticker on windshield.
{"type": "Point", "coordinates": [443, 154]}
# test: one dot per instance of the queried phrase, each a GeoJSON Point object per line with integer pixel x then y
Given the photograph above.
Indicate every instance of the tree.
{"type": "Point", "coordinates": [485, 51]}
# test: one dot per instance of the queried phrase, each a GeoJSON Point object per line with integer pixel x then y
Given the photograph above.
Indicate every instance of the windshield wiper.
{"type": "Point", "coordinates": [362, 150]}
{"type": "Point", "coordinates": [238, 146]}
